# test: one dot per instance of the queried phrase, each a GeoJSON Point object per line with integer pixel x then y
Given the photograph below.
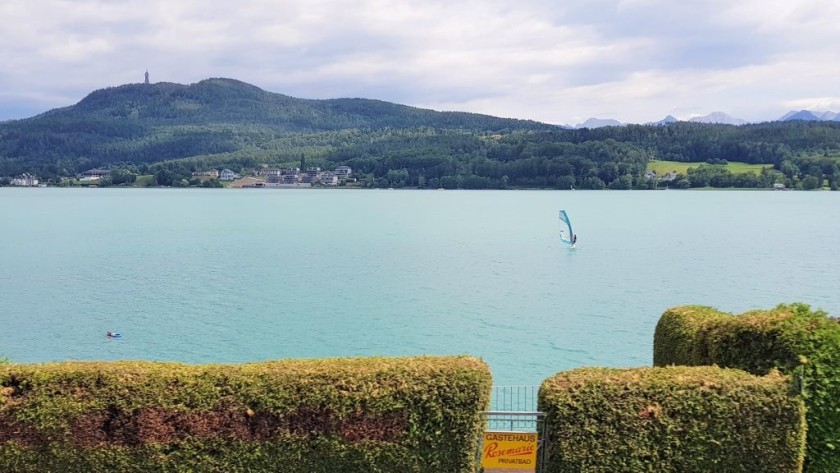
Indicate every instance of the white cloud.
{"type": "Point", "coordinates": [821, 104]}
{"type": "Point", "coordinates": [633, 60]}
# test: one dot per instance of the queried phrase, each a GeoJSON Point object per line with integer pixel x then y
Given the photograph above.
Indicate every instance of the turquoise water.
{"type": "Point", "coordinates": [246, 275]}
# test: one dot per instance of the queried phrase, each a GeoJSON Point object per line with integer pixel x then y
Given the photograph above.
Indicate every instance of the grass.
{"type": "Point", "coordinates": [664, 167]}
{"type": "Point", "coordinates": [144, 180]}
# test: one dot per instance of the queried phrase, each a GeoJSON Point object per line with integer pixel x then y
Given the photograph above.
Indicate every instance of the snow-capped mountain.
{"type": "Point", "coordinates": [665, 121]}
{"type": "Point", "coordinates": [598, 123]}
{"type": "Point", "coordinates": [714, 117]}
{"type": "Point", "coordinates": [718, 117]}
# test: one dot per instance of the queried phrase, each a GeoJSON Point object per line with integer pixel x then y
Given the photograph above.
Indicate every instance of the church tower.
{"type": "Point", "coordinates": [147, 77]}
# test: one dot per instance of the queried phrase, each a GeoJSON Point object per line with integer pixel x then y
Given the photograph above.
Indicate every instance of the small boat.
{"type": "Point", "coordinates": [113, 335]}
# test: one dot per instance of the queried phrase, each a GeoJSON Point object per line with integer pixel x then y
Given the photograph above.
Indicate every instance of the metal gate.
{"type": "Point", "coordinates": [514, 409]}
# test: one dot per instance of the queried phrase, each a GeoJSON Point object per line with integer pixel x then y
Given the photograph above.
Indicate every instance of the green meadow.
{"type": "Point", "coordinates": [664, 167]}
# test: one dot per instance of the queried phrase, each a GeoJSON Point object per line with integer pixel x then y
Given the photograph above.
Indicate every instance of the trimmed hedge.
{"type": "Point", "coordinates": [792, 338]}
{"type": "Point", "coordinates": [681, 336]}
{"type": "Point", "coordinates": [675, 419]}
{"type": "Point", "coordinates": [350, 415]}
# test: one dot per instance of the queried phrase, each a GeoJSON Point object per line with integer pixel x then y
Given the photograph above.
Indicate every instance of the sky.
{"type": "Point", "coordinates": [555, 61]}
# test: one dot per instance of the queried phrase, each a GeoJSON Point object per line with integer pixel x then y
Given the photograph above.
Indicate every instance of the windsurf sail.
{"type": "Point", "coordinates": [567, 235]}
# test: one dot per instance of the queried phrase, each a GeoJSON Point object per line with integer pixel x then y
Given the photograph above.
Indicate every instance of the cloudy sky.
{"type": "Point", "coordinates": [556, 61]}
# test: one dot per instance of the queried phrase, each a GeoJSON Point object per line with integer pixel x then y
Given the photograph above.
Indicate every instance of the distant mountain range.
{"type": "Point", "coordinates": [810, 116]}
{"type": "Point", "coordinates": [715, 117]}
{"type": "Point", "coordinates": [718, 117]}
{"type": "Point", "coordinates": [598, 123]}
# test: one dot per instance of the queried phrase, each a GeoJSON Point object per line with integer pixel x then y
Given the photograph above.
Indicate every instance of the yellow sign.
{"type": "Point", "coordinates": [509, 450]}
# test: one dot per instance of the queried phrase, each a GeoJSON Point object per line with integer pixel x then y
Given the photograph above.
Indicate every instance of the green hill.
{"type": "Point", "coordinates": [153, 122]}
{"type": "Point", "coordinates": [215, 101]}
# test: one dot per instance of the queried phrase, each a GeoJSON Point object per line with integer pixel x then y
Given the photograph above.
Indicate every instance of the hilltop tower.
{"type": "Point", "coordinates": [147, 77]}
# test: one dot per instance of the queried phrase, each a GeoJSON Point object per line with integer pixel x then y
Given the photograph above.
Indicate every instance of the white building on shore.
{"type": "Point", "coordinates": [25, 180]}
{"type": "Point", "coordinates": [228, 175]}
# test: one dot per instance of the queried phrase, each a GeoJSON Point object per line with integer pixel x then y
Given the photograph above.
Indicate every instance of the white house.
{"type": "Point", "coordinates": [26, 180]}
{"type": "Point", "coordinates": [228, 175]}
{"type": "Point", "coordinates": [343, 171]}
{"type": "Point", "coordinates": [311, 174]}
{"type": "Point", "coordinates": [95, 174]}
{"type": "Point", "coordinates": [289, 179]}
{"type": "Point", "coordinates": [329, 179]}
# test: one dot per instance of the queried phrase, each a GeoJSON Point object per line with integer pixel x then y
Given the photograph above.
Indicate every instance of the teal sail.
{"type": "Point", "coordinates": [567, 235]}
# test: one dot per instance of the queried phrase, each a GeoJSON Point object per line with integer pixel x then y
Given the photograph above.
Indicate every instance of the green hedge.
{"type": "Point", "coordinates": [791, 338]}
{"type": "Point", "coordinates": [675, 419]}
{"type": "Point", "coordinates": [681, 335]}
{"type": "Point", "coordinates": [347, 415]}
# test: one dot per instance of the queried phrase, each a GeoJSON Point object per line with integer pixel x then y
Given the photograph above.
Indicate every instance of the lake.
{"type": "Point", "coordinates": [227, 276]}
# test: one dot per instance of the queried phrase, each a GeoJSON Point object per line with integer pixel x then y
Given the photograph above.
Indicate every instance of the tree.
{"type": "Point", "coordinates": [397, 178]}
{"type": "Point", "coordinates": [789, 169]}
{"type": "Point", "coordinates": [164, 177]}
{"type": "Point", "coordinates": [681, 182]}
{"type": "Point", "coordinates": [608, 172]}
{"type": "Point", "coordinates": [624, 182]}
{"type": "Point", "coordinates": [122, 176]}
{"type": "Point", "coordinates": [565, 182]}
{"type": "Point", "coordinates": [811, 182]}
{"type": "Point", "coordinates": [593, 182]}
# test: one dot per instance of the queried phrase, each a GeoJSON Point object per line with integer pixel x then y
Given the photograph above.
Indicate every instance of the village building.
{"type": "Point", "coordinates": [289, 179]}
{"type": "Point", "coordinates": [228, 175]}
{"type": "Point", "coordinates": [667, 177]}
{"type": "Point", "coordinates": [95, 174]}
{"type": "Point", "coordinates": [25, 180]}
{"type": "Point", "coordinates": [311, 174]}
{"type": "Point", "coordinates": [329, 179]}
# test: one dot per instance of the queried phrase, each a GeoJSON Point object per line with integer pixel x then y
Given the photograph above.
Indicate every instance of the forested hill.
{"type": "Point", "coordinates": [215, 101]}
{"type": "Point", "coordinates": [147, 123]}
{"type": "Point", "coordinates": [147, 128]}
{"type": "Point", "coordinates": [153, 122]}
